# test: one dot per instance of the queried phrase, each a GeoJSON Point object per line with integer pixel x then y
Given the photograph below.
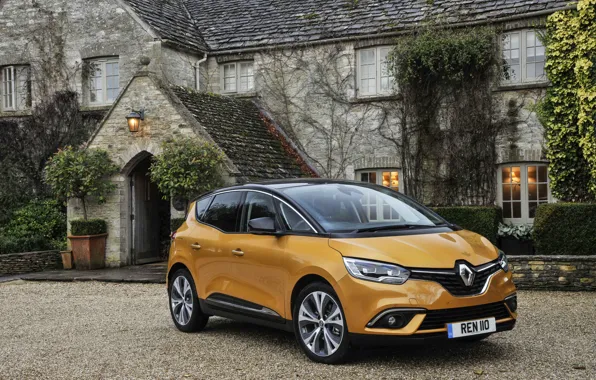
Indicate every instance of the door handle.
{"type": "Point", "coordinates": [237, 252]}
{"type": "Point", "coordinates": [195, 246]}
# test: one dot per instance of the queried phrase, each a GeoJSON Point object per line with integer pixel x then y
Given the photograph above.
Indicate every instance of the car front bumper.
{"type": "Point", "coordinates": [364, 300]}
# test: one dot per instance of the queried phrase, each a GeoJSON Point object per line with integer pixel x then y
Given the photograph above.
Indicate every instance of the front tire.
{"type": "Point", "coordinates": [184, 303]}
{"type": "Point", "coordinates": [320, 324]}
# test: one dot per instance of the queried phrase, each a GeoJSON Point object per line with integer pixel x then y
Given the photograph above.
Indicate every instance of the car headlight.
{"type": "Point", "coordinates": [376, 271]}
{"type": "Point", "coordinates": [503, 261]}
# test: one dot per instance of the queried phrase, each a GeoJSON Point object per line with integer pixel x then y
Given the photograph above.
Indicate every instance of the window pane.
{"type": "Point", "coordinates": [506, 174]}
{"type": "Point", "coordinates": [511, 55]}
{"type": "Point", "coordinates": [543, 192]}
{"type": "Point", "coordinates": [516, 210]}
{"type": "Point", "coordinates": [246, 77]}
{"type": "Point", "coordinates": [223, 211]}
{"type": "Point", "coordinates": [394, 180]}
{"type": "Point", "coordinates": [532, 192]}
{"type": "Point", "coordinates": [507, 210]}
{"type": "Point", "coordinates": [542, 177]}
{"type": "Point", "coordinates": [292, 220]}
{"type": "Point", "coordinates": [516, 192]}
{"type": "Point", "coordinates": [516, 174]}
{"type": "Point", "coordinates": [364, 177]}
{"type": "Point", "coordinates": [506, 192]}
{"type": "Point", "coordinates": [532, 174]}
{"type": "Point", "coordinates": [201, 207]}
{"type": "Point", "coordinates": [258, 205]}
{"type": "Point", "coordinates": [368, 71]}
{"type": "Point", "coordinates": [230, 77]}
{"type": "Point", "coordinates": [532, 209]}
{"type": "Point", "coordinates": [373, 177]}
{"type": "Point", "coordinates": [386, 179]}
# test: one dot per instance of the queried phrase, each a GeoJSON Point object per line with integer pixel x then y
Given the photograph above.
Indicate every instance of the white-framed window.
{"type": "Point", "coordinates": [237, 77]}
{"type": "Point", "coordinates": [525, 57]}
{"type": "Point", "coordinates": [15, 87]}
{"type": "Point", "coordinates": [373, 75]}
{"type": "Point", "coordinates": [104, 80]}
{"type": "Point", "coordinates": [377, 211]}
{"type": "Point", "coordinates": [522, 187]}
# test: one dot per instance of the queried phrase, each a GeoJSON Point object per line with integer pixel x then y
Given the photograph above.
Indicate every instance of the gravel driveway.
{"type": "Point", "coordinates": [100, 330]}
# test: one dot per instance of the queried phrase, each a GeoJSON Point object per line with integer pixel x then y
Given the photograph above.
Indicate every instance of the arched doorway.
{"type": "Point", "coordinates": [149, 216]}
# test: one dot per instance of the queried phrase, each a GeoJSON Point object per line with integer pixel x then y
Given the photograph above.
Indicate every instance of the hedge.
{"type": "Point", "coordinates": [11, 244]}
{"type": "Point", "coordinates": [175, 223]}
{"type": "Point", "coordinates": [565, 229]}
{"type": "Point", "coordinates": [82, 227]}
{"type": "Point", "coordinates": [480, 219]}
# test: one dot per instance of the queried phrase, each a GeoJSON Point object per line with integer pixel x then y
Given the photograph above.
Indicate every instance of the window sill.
{"type": "Point", "coordinates": [96, 107]}
{"type": "Point", "coordinates": [522, 86]}
{"type": "Point", "coordinates": [376, 98]}
{"type": "Point", "coordinates": [251, 94]}
{"type": "Point", "coordinates": [16, 113]}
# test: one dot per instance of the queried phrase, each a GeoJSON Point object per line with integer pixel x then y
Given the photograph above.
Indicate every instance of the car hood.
{"type": "Point", "coordinates": [436, 250]}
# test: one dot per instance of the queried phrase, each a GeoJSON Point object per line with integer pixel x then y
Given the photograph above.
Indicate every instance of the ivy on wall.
{"type": "Point", "coordinates": [568, 111]}
{"type": "Point", "coordinates": [450, 119]}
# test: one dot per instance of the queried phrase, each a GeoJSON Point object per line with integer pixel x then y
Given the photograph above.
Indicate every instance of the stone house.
{"type": "Point", "coordinates": [240, 74]}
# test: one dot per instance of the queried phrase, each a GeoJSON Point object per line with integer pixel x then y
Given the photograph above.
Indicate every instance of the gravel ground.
{"type": "Point", "coordinates": [99, 330]}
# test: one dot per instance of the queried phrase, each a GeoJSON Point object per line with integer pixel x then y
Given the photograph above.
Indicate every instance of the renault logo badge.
{"type": "Point", "coordinates": [466, 274]}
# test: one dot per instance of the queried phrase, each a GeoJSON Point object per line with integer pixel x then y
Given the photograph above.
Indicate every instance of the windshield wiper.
{"type": "Point", "coordinates": [396, 227]}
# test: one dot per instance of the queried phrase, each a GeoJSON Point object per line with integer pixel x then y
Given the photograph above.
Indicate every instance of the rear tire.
{"type": "Point", "coordinates": [320, 324]}
{"type": "Point", "coordinates": [184, 303]}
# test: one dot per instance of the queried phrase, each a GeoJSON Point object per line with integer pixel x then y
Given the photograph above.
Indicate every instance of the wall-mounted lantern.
{"type": "Point", "coordinates": [134, 119]}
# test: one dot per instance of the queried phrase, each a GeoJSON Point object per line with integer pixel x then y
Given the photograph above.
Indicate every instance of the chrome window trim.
{"type": "Point", "coordinates": [271, 195]}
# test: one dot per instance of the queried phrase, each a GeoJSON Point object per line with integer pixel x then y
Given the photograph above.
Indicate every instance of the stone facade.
{"type": "Point", "coordinates": [554, 272]}
{"type": "Point", "coordinates": [19, 263]}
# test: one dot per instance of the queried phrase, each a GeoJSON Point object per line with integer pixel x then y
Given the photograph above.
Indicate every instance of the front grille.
{"type": "Point", "coordinates": [452, 281]}
{"type": "Point", "coordinates": [436, 319]}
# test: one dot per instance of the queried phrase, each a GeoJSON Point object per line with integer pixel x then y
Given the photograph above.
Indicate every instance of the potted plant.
{"type": "Point", "coordinates": [81, 174]}
{"type": "Point", "coordinates": [516, 239]}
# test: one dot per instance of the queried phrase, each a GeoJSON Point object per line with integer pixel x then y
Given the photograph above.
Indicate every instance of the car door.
{"type": "Point", "coordinates": [259, 277]}
{"type": "Point", "coordinates": [212, 256]}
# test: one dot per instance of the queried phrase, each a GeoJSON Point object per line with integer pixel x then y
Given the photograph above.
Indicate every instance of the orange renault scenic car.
{"type": "Point", "coordinates": [339, 263]}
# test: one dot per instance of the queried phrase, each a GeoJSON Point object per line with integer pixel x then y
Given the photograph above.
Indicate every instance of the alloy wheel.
{"type": "Point", "coordinates": [181, 300]}
{"type": "Point", "coordinates": [321, 323]}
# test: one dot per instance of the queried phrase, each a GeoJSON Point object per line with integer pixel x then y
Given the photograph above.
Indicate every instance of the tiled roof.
{"type": "Point", "coordinates": [243, 133]}
{"type": "Point", "coordinates": [232, 24]}
{"type": "Point", "coordinates": [170, 20]}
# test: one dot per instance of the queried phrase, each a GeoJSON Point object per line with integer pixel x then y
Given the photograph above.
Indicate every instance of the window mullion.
{"type": "Point", "coordinates": [104, 79]}
{"type": "Point", "coordinates": [522, 55]}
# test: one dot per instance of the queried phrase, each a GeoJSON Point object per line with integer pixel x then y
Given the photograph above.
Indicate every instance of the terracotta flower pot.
{"type": "Point", "coordinates": [66, 259]}
{"type": "Point", "coordinates": [89, 251]}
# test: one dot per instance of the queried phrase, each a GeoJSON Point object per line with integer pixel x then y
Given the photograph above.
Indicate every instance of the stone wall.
{"type": "Point", "coordinates": [18, 263]}
{"type": "Point", "coordinates": [554, 272]}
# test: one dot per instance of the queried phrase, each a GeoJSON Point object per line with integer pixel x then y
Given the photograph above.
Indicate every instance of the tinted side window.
{"type": "Point", "coordinates": [223, 212]}
{"type": "Point", "coordinates": [257, 205]}
{"type": "Point", "coordinates": [202, 206]}
{"type": "Point", "coordinates": [292, 220]}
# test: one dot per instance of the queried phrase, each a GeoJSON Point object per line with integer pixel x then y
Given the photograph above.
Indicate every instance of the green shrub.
{"type": "Point", "coordinates": [482, 220]}
{"type": "Point", "coordinates": [81, 227]}
{"type": "Point", "coordinates": [39, 218]}
{"type": "Point", "coordinates": [175, 223]}
{"type": "Point", "coordinates": [11, 244]}
{"type": "Point", "coordinates": [565, 229]}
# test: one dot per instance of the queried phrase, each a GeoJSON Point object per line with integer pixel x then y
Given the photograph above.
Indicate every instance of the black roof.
{"type": "Point", "coordinates": [237, 24]}
{"type": "Point", "coordinates": [245, 135]}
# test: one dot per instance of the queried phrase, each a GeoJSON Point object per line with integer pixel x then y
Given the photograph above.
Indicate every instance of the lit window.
{"type": "Point", "coordinates": [377, 209]}
{"type": "Point", "coordinates": [15, 87]}
{"type": "Point", "coordinates": [237, 77]}
{"type": "Point", "coordinates": [104, 81]}
{"type": "Point", "coordinates": [522, 187]}
{"type": "Point", "coordinates": [374, 76]}
{"type": "Point", "coordinates": [525, 57]}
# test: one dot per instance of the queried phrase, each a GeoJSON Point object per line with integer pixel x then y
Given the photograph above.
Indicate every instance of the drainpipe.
{"type": "Point", "coordinates": [197, 67]}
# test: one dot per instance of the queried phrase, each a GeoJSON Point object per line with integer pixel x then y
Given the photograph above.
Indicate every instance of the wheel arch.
{"type": "Point", "coordinates": [175, 267]}
{"type": "Point", "coordinates": [301, 284]}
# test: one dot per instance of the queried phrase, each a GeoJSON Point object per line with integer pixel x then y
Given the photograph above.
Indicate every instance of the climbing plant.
{"type": "Point", "coordinates": [568, 111]}
{"type": "Point", "coordinates": [450, 118]}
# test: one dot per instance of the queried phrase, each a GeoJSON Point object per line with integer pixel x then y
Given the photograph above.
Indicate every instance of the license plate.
{"type": "Point", "coordinates": [468, 328]}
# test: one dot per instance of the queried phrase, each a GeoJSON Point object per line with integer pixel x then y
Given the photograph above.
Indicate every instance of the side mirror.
{"type": "Point", "coordinates": [262, 225]}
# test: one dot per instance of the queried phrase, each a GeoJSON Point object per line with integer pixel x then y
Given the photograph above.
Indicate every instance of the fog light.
{"type": "Point", "coordinates": [391, 321]}
{"type": "Point", "coordinates": [394, 318]}
{"type": "Point", "coordinates": [511, 302]}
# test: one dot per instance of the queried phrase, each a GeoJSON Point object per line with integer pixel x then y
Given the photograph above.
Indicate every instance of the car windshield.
{"type": "Point", "coordinates": [347, 208]}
